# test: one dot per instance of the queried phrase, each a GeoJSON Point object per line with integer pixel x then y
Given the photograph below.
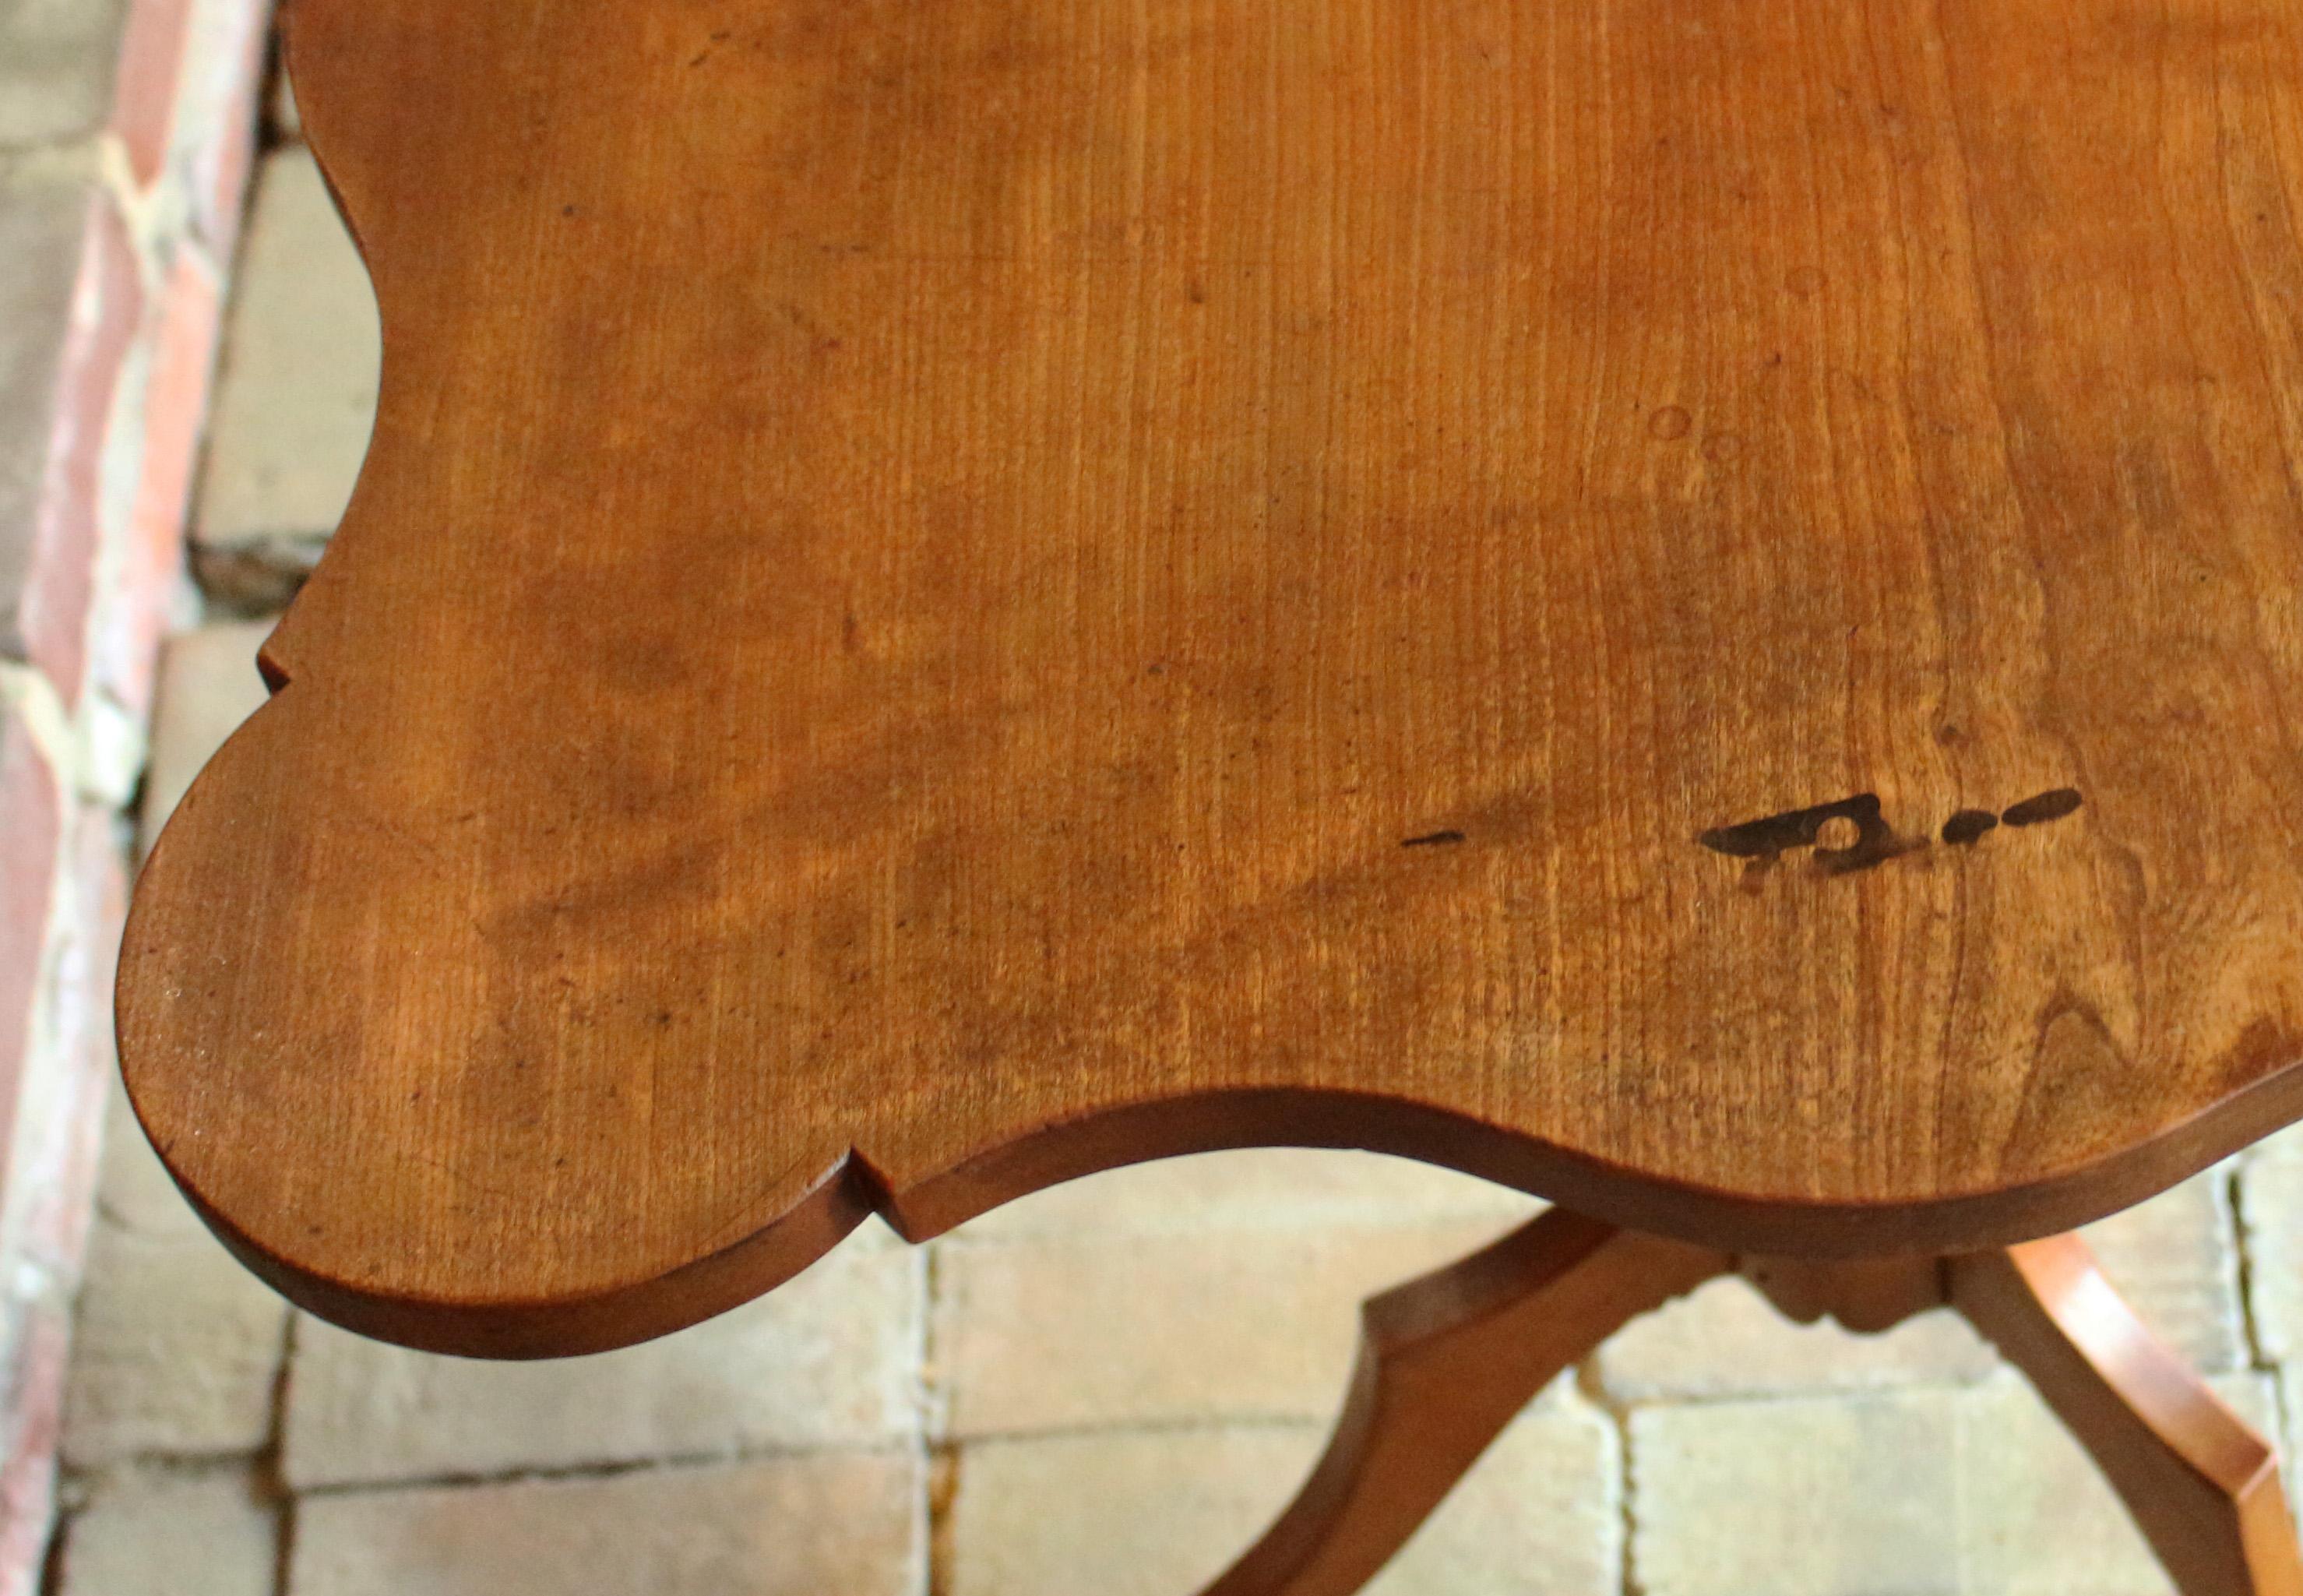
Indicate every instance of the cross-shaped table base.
{"type": "Point", "coordinates": [1447, 1360]}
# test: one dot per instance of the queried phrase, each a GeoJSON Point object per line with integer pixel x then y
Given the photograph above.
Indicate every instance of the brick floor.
{"type": "Point", "coordinates": [296, 396]}
{"type": "Point", "coordinates": [1135, 1512]}
{"type": "Point", "coordinates": [177, 1349]}
{"type": "Point", "coordinates": [215, 1534]}
{"type": "Point", "coordinates": [1928, 1490]}
{"type": "Point", "coordinates": [837, 1523]}
{"type": "Point", "coordinates": [831, 1360]}
{"type": "Point", "coordinates": [1088, 1330]}
{"type": "Point", "coordinates": [208, 687]}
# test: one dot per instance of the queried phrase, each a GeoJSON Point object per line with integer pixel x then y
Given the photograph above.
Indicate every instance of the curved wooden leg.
{"type": "Point", "coordinates": [2202, 1485]}
{"type": "Point", "coordinates": [1445, 1362]}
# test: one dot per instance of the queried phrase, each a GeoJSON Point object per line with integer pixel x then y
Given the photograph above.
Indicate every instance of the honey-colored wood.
{"type": "Point", "coordinates": [1688, 604]}
{"type": "Point", "coordinates": [2201, 1484]}
{"type": "Point", "coordinates": [1864, 1295]}
{"type": "Point", "coordinates": [1447, 1359]}
{"type": "Point", "coordinates": [1445, 1362]}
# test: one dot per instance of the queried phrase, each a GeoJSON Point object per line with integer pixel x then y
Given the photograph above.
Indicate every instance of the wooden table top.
{"type": "Point", "coordinates": [1691, 604]}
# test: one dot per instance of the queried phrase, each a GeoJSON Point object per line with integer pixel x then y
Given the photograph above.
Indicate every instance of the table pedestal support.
{"type": "Point", "coordinates": [1445, 1361]}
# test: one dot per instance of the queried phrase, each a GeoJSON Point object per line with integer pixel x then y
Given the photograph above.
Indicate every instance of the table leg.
{"type": "Point", "coordinates": [1445, 1362]}
{"type": "Point", "coordinates": [2202, 1485]}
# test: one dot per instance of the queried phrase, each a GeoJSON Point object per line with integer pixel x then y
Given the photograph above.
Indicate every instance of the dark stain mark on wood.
{"type": "Point", "coordinates": [706, 53]}
{"type": "Point", "coordinates": [1763, 842]}
{"type": "Point", "coordinates": [2047, 806]}
{"type": "Point", "coordinates": [1968, 827]}
{"type": "Point", "coordinates": [1870, 852]}
{"type": "Point", "coordinates": [1797, 828]}
{"type": "Point", "coordinates": [1435, 839]}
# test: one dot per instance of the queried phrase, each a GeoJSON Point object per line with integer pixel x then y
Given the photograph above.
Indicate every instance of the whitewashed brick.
{"type": "Point", "coordinates": [829, 1359]}
{"type": "Point", "coordinates": [2271, 1191]}
{"type": "Point", "coordinates": [175, 1353]}
{"type": "Point", "coordinates": [208, 686]}
{"type": "Point", "coordinates": [832, 1525]}
{"type": "Point", "coordinates": [297, 395]}
{"type": "Point", "coordinates": [1135, 1513]}
{"type": "Point", "coordinates": [2175, 1259]}
{"type": "Point", "coordinates": [144, 1536]}
{"type": "Point", "coordinates": [56, 63]}
{"type": "Point", "coordinates": [1062, 1333]}
{"type": "Point", "coordinates": [1726, 1339]}
{"type": "Point", "coordinates": [177, 1348]}
{"type": "Point", "coordinates": [1262, 1188]}
{"type": "Point", "coordinates": [1925, 1491]}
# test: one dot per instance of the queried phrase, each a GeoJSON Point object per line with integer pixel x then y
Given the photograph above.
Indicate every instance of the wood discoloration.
{"type": "Point", "coordinates": [1869, 841]}
{"type": "Point", "coordinates": [1776, 834]}
{"type": "Point", "coordinates": [1970, 827]}
{"type": "Point", "coordinates": [2047, 806]}
{"type": "Point", "coordinates": [947, 548]}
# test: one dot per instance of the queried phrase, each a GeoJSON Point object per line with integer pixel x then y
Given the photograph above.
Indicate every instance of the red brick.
{"type": "Point", "coordinates": [145, 89]}
{"type": "Point", "coordinates": [224, 83]}
{"type": "Point", "coordinates": [31, 1418]}
{"type": "Point", "coordinates": [44, 240]}
{"type": "Point", "coordinates": [52, 1171]}
{"type": "Point", "coordinates": [31, 831]}
{"type": "Point", "coordinates": [56, 1160]}
{"type": "Point", "coordinates": [55, 573]}
{"type": "Point", "coordinates": [133, 616]}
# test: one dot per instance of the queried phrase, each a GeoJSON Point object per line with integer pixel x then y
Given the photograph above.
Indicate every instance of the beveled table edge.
{"type": "Point", "coordinates": [852, 1191]}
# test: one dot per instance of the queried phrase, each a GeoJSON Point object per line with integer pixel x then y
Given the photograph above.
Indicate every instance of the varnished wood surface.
{"type": "Point", "coordinates": [2202, 1485]}
{"type": "Point", "coordinates": [1691, 604]}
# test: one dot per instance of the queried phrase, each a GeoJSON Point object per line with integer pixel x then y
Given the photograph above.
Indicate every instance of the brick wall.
{"type": "Point", "coordinates": [126, 129]}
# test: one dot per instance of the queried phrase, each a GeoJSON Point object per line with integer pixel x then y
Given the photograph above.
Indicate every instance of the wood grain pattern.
{"type": "Point", "coordinates": [949, 594]}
